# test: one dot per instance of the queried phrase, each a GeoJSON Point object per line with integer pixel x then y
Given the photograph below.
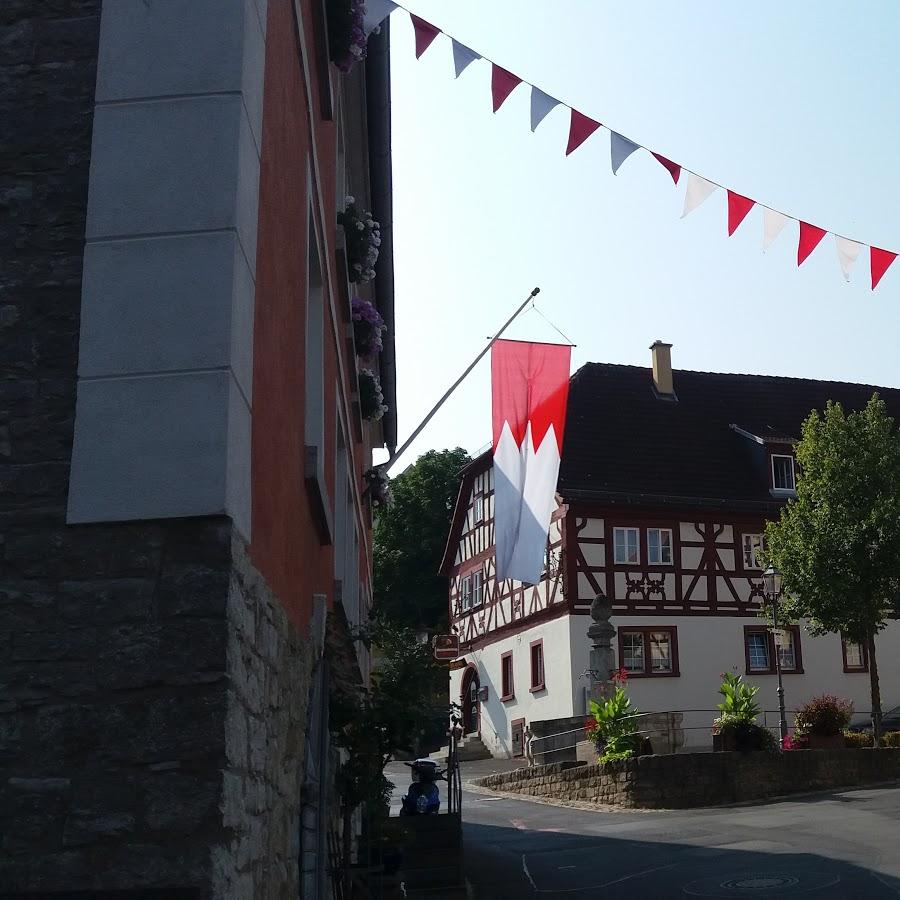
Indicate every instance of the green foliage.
{"type": "Point", "coordinates": [407, 689]}
{"type": "Point", "coordinates": [826, 715]}
{"type": "Point", "coordinates": [410, 536]}
{"type": "Point", "coordinates": [860, 739]}
{"type": "Point", "coordinates": [838, 543]}
{"type": "Point", "coordinates": [614, 729]}
{"type": "Point", "coordinates": [891, 739]}
{"type": "Point", "coordinates": [739, 704]}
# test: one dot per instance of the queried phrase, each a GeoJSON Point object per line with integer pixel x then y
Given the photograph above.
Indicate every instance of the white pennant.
{"type": "Point", "coordinates": [773, 222]}
{"type": "Point", "coordinates": [462, 56]}
{"type": "Point", "coordinates": [847, 251]}
{"type": "Point", "coordinates": [541, 104]}
{"type": "Point", "coordinates": [620, 148]}
{"type": "Point", "coordinates": [376, 12]}
{"type": "Point", "coordinates": [698, 190]}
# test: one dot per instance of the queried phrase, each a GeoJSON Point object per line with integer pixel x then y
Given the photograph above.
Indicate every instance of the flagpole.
{"type": "Point", "coordinates": [398, 453]}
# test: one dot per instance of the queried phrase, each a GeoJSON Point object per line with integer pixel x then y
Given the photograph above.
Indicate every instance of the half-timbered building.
{"type": "Point", "coordinates": [666, 483]}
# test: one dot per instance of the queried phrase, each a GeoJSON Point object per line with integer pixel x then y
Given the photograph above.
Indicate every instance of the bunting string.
{"type": "Point", "coordinates": [582, 127]}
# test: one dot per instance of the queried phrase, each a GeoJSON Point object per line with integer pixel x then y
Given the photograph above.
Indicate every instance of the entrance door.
{"type": "Point", "coordinates": [470, 687]}
{"type": "Point", "coordinates": [517, 727]}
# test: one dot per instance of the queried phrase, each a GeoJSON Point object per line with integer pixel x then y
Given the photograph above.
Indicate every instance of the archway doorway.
{"type": "Point", "coordinates": [470, 687]}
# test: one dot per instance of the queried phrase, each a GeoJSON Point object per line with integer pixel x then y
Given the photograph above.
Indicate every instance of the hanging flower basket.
{"type": "Point", "coordinates": [346, 35]}
{"type": "Point", "coordinates": [368, 326]}
{"type": "Point", "coordinates": [371, 400]}
{"type": "Point", "coordinates": [363, 238]}
{"type": "Point", "coordinates": [378, 486]}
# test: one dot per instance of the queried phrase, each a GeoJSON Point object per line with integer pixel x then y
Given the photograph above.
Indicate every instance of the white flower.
{"type": "Point", "coordinates": [376, 241]}
{"type": "Point", "coordinates": [348, 200]}
{"type": "Point", "coordinates": [360, 226]}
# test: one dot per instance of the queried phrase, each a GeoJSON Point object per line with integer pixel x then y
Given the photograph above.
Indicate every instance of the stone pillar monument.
{"type": "Point", "coordinates": [602, 659]}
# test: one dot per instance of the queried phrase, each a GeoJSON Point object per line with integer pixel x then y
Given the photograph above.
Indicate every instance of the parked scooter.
{"type": "Point", "coordinates": [423, 797]}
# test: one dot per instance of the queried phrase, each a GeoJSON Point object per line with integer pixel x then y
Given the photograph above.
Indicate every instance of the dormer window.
{"type": "Point", "coordinates": [783, 473]}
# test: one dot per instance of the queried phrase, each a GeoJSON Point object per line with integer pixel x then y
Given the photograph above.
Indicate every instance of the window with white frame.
{"type": "Point", "coordinates": [659, 546]}
{"type": "Point", "coordinates": [753, 543]}
{"type": "Point", "coordinates": [758, 659]}
{"type": "Point", "coordinates": [648, 650]}
{"type": "Point", "coordinates": [783, 472]}
{"type": "Point", "coordinates": [472, 591]}
{"type": "Point", "coordinates": [761, 645]}
{"type": "Point", "coordinates": [477, 589]}
{"type": "Point", "coordinates": [466, 593]}
{"type": "Point", "coordinates": [633, 651]}
{"type": "Point", "coordinates": [478, 509]}
{"type": "Point", "coordinates": [627, 546]}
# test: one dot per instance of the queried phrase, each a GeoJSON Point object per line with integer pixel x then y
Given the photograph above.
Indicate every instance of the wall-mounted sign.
{"type": "Point", "coordinates": [446, 646]}
{"type": "Point", "coordinates": [483, 693]}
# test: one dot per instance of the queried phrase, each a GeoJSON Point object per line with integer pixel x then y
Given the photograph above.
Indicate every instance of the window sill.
{"type": "Point", "coordinates": [856, 671]}
{"type": "Point", "coordinates": [653, 675]}
{"type": "Point", "coordinates": [537, 687]}
{"type": "Point", "coordinates": [507, 697]}
{"type": "Point", "coordinates": [773, 672]}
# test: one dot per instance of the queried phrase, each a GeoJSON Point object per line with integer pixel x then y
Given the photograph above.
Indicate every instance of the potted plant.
{"type": "Point", "coordinates": [822, 722]}
{"type": "Point", "coordinates": [362, 235]}
{"type": "Point", "coordinates": [736, 727]}
{"type": "Point", "coordinates": [346, 33]}
{"type": "Point", "coordinates": [378, 486]}
{"type": "Point", "coordinates": [368, 326]}
{"type": "Point", "coordinates": [371, 399]}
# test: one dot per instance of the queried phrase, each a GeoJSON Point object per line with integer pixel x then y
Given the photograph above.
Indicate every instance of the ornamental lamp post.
{"type": "Point", "coordinates": [772, 583]}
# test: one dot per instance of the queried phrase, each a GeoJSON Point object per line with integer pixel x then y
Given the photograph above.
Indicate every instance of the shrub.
{"type": "Point", "coordinates": [890, 739]}
{"type": "Point", "coordinates": [614, 729]}
{"type": "Point", "coordinates": [739, 704]}
{"type": "Point", "coordinates": [824, 716]}
{"type": "Point", "coordinates": [858, 739]}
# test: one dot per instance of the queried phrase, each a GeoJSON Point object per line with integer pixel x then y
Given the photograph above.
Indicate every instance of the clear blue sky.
{"type": "Point", "coordinates": [794, 104]}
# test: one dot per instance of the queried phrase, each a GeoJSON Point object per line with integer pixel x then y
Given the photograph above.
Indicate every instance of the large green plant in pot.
{"type": "Point", "coordinates": [614, 728]}
{"type": "Point", "coordinates": [736, 727]}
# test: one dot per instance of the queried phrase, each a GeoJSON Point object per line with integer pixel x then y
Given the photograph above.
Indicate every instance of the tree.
{"type": "Point", "coordinates": [410, 535]}
{"type": "Point", "coordinates": [838, 543]}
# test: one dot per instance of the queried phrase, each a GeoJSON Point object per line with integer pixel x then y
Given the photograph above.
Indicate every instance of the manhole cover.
{"type": "Point", "coordinates": [757, 882]}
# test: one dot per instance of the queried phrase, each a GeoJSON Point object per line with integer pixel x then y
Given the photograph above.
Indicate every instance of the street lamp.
{"type": "Point", "coordinates": [772, 583]}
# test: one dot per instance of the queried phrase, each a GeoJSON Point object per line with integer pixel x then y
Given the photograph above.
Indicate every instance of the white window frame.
{"type": "Point", "coordinates": [637, 541]}
{"type": "Point", "coordinates": [465, 593]}
{"type": "Point", "coordinates": [768, 645]}
{"type": "Point", "coordinates": [477, 588]}
{"type": "Point", "coordinates": [478, 508]}
{"type": "Point", "coordinates": [784, 490]}
{"type": "Point", "coordinates": [660, 561]}
{"type": "Point", "coordinates": [750, 551]}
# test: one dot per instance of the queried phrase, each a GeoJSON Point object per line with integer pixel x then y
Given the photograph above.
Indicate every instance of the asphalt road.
{"type": "Point", "coordinates": [844, 844]}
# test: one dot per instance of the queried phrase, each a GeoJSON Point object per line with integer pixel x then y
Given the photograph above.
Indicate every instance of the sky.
{"type": "Point", "coordinates": [793, 104]}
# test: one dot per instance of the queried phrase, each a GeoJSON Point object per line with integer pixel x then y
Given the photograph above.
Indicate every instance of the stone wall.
{"type": "Point", "coordinates": [687, 780]}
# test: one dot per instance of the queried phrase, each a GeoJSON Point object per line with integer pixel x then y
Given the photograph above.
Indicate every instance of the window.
{"type": "Point", "coordinates": [478, 509]}
{"type": "Point", "coordinates": [537, 666]}
{"type": "Point", "coordinates": [760, 647]}
{"type": "Point", "coordinates": [506, 676]}
{"type": "Point", "coordinates": [472, 591]}
{"type": "Point", "coordinates": [783, 473]}
{"type": "Point", "coordinates": [648, 651]}
{"type": "Point", "coordinates": [626, 542]}
{"type": "Point", "coordinates": [659, 546]}
{"type": "Point", "coordinates": [753, 543]}
{"type": "Point", "coordinates": [856, 656]}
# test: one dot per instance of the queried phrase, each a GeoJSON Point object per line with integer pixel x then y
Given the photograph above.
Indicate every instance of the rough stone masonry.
{"type": "Point", "coordinates": [151, 690]}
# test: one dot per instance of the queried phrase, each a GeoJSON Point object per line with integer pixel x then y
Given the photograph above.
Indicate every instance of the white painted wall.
{"type": "Point", "coordinates": [708, 646]}
{"type": "Point", "coordinates": [552, 703]}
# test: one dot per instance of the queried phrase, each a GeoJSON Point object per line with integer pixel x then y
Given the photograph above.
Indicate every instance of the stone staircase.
{"type": "Point", "coordinates": [432, 864]}
{"type": "Point", "coordinates": [469, 748]}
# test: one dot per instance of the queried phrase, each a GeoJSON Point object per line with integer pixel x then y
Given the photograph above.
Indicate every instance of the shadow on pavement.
{"type": "Point", "coordinates": [506, 862]}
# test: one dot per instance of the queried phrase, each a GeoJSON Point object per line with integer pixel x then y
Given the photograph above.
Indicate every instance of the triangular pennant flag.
{"type": "Point", "coordinates": [503, 83]}
{"type": "Point", "coordinates": [462, 56]}
{"type": "Point", "coordinates": [376, 11]}
{"type": "Point", "coordinates": [847, 252]}
{"type": "Point", "coordinates": [580, 129]}
{"type": "Point", "coordinates": [773, 222]}
{"type": "Point", "coordinates": [674, 168]}
{"type": "Point", "coordinates": [810, 235]}
{"type": "Point", "coordinates": [738, 207]}
{"type": "Point", "coordinates": [425, 34]}
{"type": "Point", "coordinates": [620, 148]}
{"type": "Point", "coordinates": [698, 189]}
{"type": "Point", "coordinates": [541, 104]}
{"type": "Point", "coordinates": [880, 261]}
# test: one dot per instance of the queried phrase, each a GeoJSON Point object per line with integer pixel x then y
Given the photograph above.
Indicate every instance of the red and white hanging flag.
{"type": "Point", "coordinates": [530, 389]}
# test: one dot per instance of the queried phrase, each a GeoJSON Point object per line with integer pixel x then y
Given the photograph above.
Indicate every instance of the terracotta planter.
{"type": "Point", "coordinates": [826, 742]}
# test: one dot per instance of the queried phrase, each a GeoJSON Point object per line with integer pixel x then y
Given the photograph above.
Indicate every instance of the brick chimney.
{"type": "Point", "coordinates": [662, 370]}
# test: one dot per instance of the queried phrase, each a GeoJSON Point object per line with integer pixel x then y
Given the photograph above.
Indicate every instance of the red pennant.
{"type": "Point", "coordinates": [738, 207]}
{"type": "Point", "coordinates": [881, 261]}
{"type": "Point", "coordinates": [810, 235]}
{"type": "Point", "coordinates": [503, 83]}
{"type": "Point", "coordinates": [425, 34]}
{"type": "Point", "coordinates": [580, 129]}
{"type": "Point", "coordinates": [674, 168]}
